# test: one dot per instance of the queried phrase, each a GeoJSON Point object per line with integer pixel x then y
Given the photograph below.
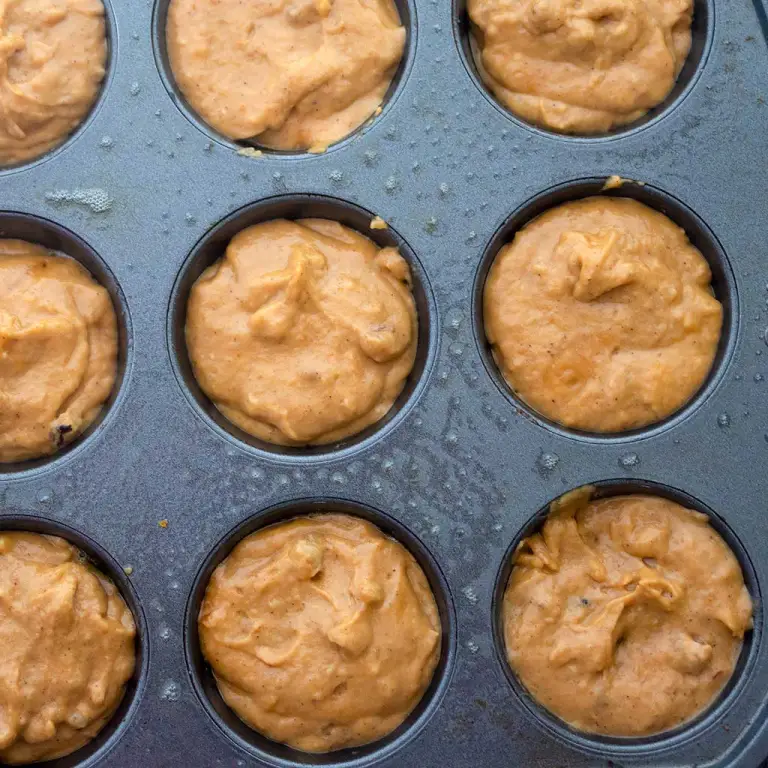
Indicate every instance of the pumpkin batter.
{"type": "Point", "coordinates": [52, 61]}
{"type": "Point", "coordinates": [601, 316]}
{"type": "Point", "coordinates": [290, 74]}
{"type": "Point", "coordinates": [58, 350]}
{"type": "Point", "coordinates": [68, 648]}
{"type": "Point", "coordinates": [304, 333]}
{"type": "Point", "coordinates": [322, 632]}
{"type": "Point", "coordinates": [581, 66]}
{"type": "Point", "coordinates": [625, 616]}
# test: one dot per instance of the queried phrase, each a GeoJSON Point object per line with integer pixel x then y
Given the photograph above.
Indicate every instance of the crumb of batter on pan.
{"type": "Point", "coordinates": [378, 223]}
{"type": "Point", "coordinates": [250, 152]}
{"type": "Point", "coordinates": [615, 182]}
{"type": "Point", "coordinates": [163, 523]}
{"type": "Point", "coordinates": [128, 570]}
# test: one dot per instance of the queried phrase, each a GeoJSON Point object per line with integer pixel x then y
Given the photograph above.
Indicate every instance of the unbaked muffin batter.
{"type": "Point", "coordinates": [322, 632]}
{"type": "Point", "coordinates": [52, 61]}
{"type": "Point", "coordinates": [290, 74]}
{"type": "Point", "coordinates": [601, 316]}
{"type": "Point", "coordinates": [68, 648]}
{"type": "Point", "coordinates": [581, 66]}
{"type": "Point", "coordinates": [625, 616]}
{"type": "Point", "coordinates": [304, 333]}
{"type": "Point", "coordinates": [58, 350]}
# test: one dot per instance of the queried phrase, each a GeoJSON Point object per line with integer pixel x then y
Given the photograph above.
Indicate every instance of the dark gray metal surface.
{"type": "Point", "coordinates": [459, 467]}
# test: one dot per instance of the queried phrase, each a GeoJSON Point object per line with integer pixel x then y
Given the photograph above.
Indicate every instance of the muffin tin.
{"type": "Point", "coordinates": [145, 196]}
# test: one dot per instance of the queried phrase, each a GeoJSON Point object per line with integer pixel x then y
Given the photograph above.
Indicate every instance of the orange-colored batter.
{"type": "Point", "coordinates": [322, 632]}
{"type": "Point", "coordinates": [67, 640]}
{"type": "Point", "coordinates": [625, 616]}
{"type": "Point", "coordinates": [290, 74]}
{"type": "Point", "coordinates": [58, 350]}
{"type": "Point", "coordinates": [581, 66]}
{"type": "Point", "coordinates": [304, 333]}
{"type": "Point", "coordinates": [601, 316]}
{"type": "Point", "coordinates": [52, 60]}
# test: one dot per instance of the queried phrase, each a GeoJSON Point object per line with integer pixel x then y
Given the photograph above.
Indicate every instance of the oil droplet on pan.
{"type": "Point", "coordinates": [171, 691]}
{"type": "Point", "coordinates": [547, 462]}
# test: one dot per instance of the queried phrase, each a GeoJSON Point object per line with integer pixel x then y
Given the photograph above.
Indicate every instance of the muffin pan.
{"type": "Point", "coordinates": [146, 196]}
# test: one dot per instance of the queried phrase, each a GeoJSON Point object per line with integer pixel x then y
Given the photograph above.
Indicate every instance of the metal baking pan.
{"type": "Point", "coordinates": [145, 195]}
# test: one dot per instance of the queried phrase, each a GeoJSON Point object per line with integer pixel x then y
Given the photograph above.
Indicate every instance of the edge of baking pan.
{"type": "Point", "coordinates": [761, 7]}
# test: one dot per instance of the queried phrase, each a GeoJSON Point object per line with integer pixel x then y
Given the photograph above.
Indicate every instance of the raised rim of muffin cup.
{"type": "Point", "coordinates": [56, 237]}
{"type": "Point", "coordinates": [700, 235]}
{"type": "Point", "coordinates": [702, 36]}
{"type": "Point", "coordinates": [281, 755]}
{"type": "Point", "coordinates": [407, 11]}
{"type": "Point", "coordinates": [630, 747]}
{"type": "Point", "coordinates": [95, 751]}
{"type": "Point", "coordinates": [110, 65]}
{"type": "Point", "coordinates": [212, 246]}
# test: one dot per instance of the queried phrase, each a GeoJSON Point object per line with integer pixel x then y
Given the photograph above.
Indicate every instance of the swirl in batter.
{"type": "Point", "coordinates": [601, 316]}
{"type": "Point", "coordinates": [289, 74]}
